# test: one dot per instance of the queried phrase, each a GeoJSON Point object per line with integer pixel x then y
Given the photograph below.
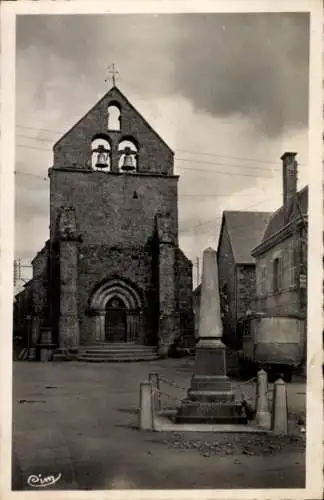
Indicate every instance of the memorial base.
{"type": "Point", "coordinates": [210, 397]}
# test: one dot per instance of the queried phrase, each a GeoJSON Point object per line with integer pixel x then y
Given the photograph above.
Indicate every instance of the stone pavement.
{"type": "Point", "coordinates": [80, 420]}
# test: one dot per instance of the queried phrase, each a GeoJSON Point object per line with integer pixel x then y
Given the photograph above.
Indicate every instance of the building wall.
{"type": "Point", "coordinates": [196, 310]}
{"type": "Point", "coordinates": [100, 262]}
{"type": "Point", "coordinates": [246, 288]}
{"type": "Point", "coordinates": [116, 220]}
{"type": "Point", "coordinates": [23, 307]}
{"type": "Point", "coordinates": [40, 284]}
{"type": "Point", "coordinates": [183, 274]}
{"type": "Point", "coordinates": [117, 233]}
{"type": "Point", "coordinates": [74, 149]}
{"type": "Point", "coordinates": [287, 300]}
{"type": "Point", "coordinates": [106, 210]}
{"type": "Point", "coordinates": [227, 274]}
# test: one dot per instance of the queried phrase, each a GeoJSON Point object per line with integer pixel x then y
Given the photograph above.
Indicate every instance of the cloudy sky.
{"type": "Point", "coordinates": [228, 93]}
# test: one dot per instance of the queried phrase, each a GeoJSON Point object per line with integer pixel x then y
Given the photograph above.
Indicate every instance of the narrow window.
{"type": "Point", "coordinates": [113, 118]}
{"type": "Point", "coordinates": [292, 266]}
{"type": "Point", "coordinates": [261, 280]}
{"type": "Point", "coordinates": [277, 274]}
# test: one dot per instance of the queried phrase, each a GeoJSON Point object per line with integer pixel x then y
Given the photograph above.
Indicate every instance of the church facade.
{"type": "Point", "coordinates": [112, 270]}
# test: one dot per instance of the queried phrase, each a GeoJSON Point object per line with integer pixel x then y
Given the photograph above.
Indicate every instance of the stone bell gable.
{"type": "Point", "coordinates": [116, 270]}
{"type": "Point", "coordinates": [114, 121]}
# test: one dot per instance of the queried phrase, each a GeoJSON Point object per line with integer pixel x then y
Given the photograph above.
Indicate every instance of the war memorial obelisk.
{"type": "Point", "coordinates": [210, 398]}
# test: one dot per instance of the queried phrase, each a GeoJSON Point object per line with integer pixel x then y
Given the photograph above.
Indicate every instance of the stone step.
{"type": "Point", "coordinates": [112, 355]}
{"type": "Point", "coordinates": [117, 354]}
{"type": "Point", "coordinates": [224, 412]}
{"type": "Point", "coordinates": [209, 383]}
{"type": "Point", "coordinates": [116, 350]}
{"type": "Point", "coordinates": [211, 419]}
{"type": "Point", "coordinates": [212, 396]}
{"type": "Point", "coordinates": [126, 346]}
{"type": "Point", "coordinates": [117, 359]}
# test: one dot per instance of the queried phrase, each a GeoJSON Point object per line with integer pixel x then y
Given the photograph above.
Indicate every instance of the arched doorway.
{"type": "Point", "coordinates": [115, 321]}
{"type": "Point", "coordinates": [116, 308]}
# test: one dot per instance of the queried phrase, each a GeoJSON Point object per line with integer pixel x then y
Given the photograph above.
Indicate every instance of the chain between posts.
{"type": "Point", "coordinates": [170, 382]}
{"type": "Point", "coordinates": [160, 378]}
{"type": "Point", "coordinates": [159, 392]}
{"type": "Point", "coordinates": [253, 379]}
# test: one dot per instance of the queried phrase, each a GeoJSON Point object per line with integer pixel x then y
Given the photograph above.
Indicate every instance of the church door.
{"type": "Point", "coordinates": [115, 321]}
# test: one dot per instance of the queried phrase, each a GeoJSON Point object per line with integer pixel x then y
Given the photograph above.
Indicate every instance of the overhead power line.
{"type": "Point", "coordinates": [219, 217]}
{"type": "Point", "coordinates": [239, 174]}
{"type": "Point", "coordinates": [189, 151]}
{"type": "Point", "coordinates": [190, 160]}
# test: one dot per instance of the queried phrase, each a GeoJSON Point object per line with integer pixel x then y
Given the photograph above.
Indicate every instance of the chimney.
{"type": "Point", "coordinates": [289, 175]}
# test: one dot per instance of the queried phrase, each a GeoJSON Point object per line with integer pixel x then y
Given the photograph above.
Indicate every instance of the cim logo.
{"type": "Point", "coordinates": [38, 481]}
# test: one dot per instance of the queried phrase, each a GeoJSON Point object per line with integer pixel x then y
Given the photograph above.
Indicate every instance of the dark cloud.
{"type": "Point", "coordinates": [254, 65]}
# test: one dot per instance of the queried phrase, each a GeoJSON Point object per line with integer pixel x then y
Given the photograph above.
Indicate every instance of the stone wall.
{"type": "Point", "coordinates": [23, 307]}
{"type": "Point", "coordinates": [227, 274]}
{"type": "Point", "coordinates": [290, 300]}
{"type": "Point", "coordinates": [40, 283]}
{"type": "Point", "coordinates": [183, 274]}
{"type": "Point", "coordinates": [116, 216]}
{"type": "Point", "coordinates": [113, 209]}
{"type": "Point", "coordinates": [246, 291]}
{"type": "Point", "coordinates": [100, 262]}
{"type": "Point", "coordinates": [74, 149]}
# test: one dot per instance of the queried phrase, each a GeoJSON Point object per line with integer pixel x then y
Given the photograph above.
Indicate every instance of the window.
{"type": "Point", "coordinates": [292, 265]}
{"type": "Point", "coordinates": [114, 118]}
{"type": "Point", "coordinates": [261, 284]}
{"type": "Point", "coordinates": [277, 274]}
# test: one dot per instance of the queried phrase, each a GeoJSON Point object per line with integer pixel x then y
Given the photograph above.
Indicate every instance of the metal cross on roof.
{"type": "Point", "coordinates": [113, 71]}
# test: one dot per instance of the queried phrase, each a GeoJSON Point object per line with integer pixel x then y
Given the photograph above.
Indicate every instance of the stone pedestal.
{"type": "Point", "coordinates": [210, 397]}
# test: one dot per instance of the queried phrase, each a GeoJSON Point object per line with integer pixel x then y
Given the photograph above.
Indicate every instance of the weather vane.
{"type": "Point", "coordinates": [113, 71]}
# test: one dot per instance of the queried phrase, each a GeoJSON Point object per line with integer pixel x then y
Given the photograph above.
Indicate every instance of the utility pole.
{"type": "Point", "coordinates": [17, 270]}
{"type": "Point", "coordinates": [198, 271]}
{"type": "Point", "coordinates": [18, 266]}
{"type": "Point", "coordinates": [196, 265]}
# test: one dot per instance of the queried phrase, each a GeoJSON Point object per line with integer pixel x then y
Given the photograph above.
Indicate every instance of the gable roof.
{"type": "Point", "coordinates": [277, 221]}
{"type": "Point", "coordinates": [114, 92]}
{"type": "Point", "coordinates": [245, 230]}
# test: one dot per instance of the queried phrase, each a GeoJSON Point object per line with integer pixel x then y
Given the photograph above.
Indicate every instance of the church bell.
{"type": "Point", "coordinates": [102, 157]}
{"type": "Point", "coordinates": [128, 163]}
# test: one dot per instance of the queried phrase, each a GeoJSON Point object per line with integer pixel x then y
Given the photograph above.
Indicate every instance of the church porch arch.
{"type": "Point", "coordinates": [108, 318]}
